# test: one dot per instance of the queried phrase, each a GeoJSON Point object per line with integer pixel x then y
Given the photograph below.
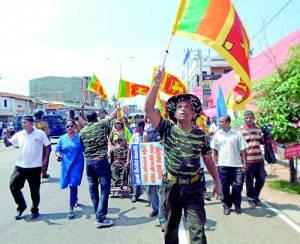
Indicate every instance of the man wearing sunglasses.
{"type": "Point", "coordinates": [94, 138]}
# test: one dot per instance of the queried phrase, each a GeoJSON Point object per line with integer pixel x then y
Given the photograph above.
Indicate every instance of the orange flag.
{"type": "Point", "coordinates": [130, 89]}
{"type": "Point", "coordinates": [96, 86]}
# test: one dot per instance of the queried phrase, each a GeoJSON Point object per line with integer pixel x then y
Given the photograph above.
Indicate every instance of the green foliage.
{"type": "Point", "coordinates": [278, 99]}
{"type": "Point", "coordinates": [114, 99]}
{"type": "Point", "coordinates": [285, 186]}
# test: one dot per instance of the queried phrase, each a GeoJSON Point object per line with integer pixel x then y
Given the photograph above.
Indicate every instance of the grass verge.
{"type": "Point", "coordinates": [285, 186]}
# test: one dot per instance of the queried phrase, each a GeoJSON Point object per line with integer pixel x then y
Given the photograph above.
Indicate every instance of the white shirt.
{"type": "Point", "coordinates": [229, 145]}
{"type": "Point", "coordinates": [137, 138]}
{"type": "Point", "coordinates": [31, 147]}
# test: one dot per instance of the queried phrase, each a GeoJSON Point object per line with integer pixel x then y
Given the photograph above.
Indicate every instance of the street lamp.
{"type": "Point", "coordinates": [120, 62]}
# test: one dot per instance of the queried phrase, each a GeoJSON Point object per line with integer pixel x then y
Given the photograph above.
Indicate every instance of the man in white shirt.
{"type": "Point", "coordinates": [229, 144]}
{"type": "Point", "coordinates": [29, 164]}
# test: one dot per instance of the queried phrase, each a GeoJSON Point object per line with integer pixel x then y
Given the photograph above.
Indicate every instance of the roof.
{"type": "Point", "coordinates": [261, 66]}
{"type": "Point", "coordinates": [16, 96]}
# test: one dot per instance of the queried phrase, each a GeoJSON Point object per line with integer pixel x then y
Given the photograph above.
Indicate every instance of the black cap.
{"type": "Point", "coordinates": [102, 110]}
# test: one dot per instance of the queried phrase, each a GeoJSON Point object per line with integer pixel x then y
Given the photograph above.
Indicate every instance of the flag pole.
{"type": "Point", "coordinates": [167, 50]}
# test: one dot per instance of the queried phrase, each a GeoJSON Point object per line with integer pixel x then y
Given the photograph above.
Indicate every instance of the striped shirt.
{"type": "Point", "coordinates": [253, 137]}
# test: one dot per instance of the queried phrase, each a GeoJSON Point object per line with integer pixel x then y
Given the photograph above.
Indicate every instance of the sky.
{"type": "Point", "coordinates": [82, 37]}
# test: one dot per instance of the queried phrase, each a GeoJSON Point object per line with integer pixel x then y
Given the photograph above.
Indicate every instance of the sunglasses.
{"type": "Point", "coordinates": [152, 131]}
{"type": "Point", "coordinates": [70, 126]}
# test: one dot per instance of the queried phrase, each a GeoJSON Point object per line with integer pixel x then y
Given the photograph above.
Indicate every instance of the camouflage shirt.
{"type": "Point", "coordinates": [94, 138]}
{"type": "Point", "coordinates": [182, 150]}
{"type": "Point", "coordinates": [121, 155]}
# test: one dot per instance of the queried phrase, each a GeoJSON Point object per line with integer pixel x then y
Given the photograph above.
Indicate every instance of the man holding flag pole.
{"type": "Point", "coordinates": [184, 145]}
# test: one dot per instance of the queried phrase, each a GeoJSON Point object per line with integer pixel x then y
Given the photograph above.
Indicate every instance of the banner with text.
{"type": "Point", "coordinates": [147, 163]}
{"type": "Point", "coordinates": [198, 92]}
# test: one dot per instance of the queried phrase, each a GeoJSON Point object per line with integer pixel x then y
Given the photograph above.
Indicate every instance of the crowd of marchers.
{"type": "Point", "coordinates": [101, 143]}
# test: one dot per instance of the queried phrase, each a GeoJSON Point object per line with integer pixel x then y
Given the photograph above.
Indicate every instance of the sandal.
{"type": "Point", "coordinates": [71, 214]}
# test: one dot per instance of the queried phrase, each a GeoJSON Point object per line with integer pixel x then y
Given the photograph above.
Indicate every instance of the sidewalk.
{"type": "Point", "coordinates": [288, 204]}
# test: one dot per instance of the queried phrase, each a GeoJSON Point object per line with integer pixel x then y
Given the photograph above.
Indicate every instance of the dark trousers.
{"type": "Point", "coordinates": [255, 171]}
{"type": "Point", "coordinates": [17, 181]}
{"type": "Point", "coordinates": [73, 195]}
{"type": "Point", "coordinates": [189, 198]}
{"type": "Point", "coordinates": [231, 176]}
{"type": "Point", "coordinates": [118, 174]}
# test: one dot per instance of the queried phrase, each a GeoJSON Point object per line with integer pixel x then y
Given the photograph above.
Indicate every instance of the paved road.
{"type": "Point", "coordinates": [131, 222]}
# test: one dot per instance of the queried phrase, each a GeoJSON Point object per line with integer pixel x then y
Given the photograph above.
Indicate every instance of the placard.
{"type": "Point", "coordinates": [147, 163]}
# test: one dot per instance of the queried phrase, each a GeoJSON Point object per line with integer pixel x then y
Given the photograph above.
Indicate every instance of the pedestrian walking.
{"type": "Point", "coordinates": [69, 151]}
{"type": "Point", "coordinates": [28, 166]}
{"type": "Point", "coordinates": [94, 138]}
{"type": "Point", "coordinates": [229, 144]}
{"type": "Point", "coordinates": [255, 159]}
{"type": "Point", "coordinates": [181, 186]}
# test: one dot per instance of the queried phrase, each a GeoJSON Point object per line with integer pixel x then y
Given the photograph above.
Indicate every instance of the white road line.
{"type": "Point", "coordinates": [183, 239]}
{"type": "Point", "coordinates": [282, 216]}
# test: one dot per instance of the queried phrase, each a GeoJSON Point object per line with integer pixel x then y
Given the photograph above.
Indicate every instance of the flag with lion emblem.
{"type": "Point", "coordinates": [217, 24]}
{"type": "Point", "coordinates": [171, 84]}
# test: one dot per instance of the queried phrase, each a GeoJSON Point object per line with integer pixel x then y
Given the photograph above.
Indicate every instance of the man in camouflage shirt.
{"type": "Point", "coordinates": [183, 146]}
{"type": "Point", "coordinates": [98, 171]}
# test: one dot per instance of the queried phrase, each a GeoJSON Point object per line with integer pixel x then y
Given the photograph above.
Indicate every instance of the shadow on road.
{"type": "Point", "coordinates": [124, 220]}
{"type": "Point", "coordinates": [50, 180]}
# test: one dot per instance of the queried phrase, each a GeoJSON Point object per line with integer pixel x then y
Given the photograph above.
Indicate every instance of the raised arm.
{"type": "Point", "coordinates": [113, 115]}
{"type": "Point", "coordinates": [152, 114]}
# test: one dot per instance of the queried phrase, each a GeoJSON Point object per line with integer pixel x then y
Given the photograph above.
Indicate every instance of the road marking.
{"type": "Point", "coordinates": [182, 233]}
{"type": "Point", "coordinates": [282, 216]}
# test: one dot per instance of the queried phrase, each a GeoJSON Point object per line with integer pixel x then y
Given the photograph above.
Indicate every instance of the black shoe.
{"type": "Point", "coordinates": [238, 210]}
{"type": "Point", "coordinates": [19, 214]}
{"type": "Point", "coordinates": [134, 199]}
{"type": "Point", "coordinates": [34, 215]}
{"type": "Point", "coordinates": [227, 210]}
{"type": "Point", "coordinates": [45, 176]}
{"type": "Point", "coordinates": [258, 202]}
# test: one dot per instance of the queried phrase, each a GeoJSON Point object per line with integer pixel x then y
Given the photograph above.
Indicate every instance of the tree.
{"type": "Point", "coordinates": [278, 99]}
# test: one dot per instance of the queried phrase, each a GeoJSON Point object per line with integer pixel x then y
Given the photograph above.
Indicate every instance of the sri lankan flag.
{"type": "Point", "coordinates": [96, 86]}
{"type": "Point", "coordinates": [171, 84]}
{"type": "Point", "coordinates": [129, 89]}
{"type": "Point", "coordinates": [217, 24]}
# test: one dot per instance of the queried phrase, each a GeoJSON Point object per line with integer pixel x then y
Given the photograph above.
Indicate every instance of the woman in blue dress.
{"type": "Point", "coordinates": [69, 151]}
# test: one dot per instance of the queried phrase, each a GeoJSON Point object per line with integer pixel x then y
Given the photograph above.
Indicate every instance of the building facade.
{"type": "Point", "coordinates": [199, 72]}
{"type": "Point", "coordinates": [69, 90]}
{"type": "Point", "coordinates": [12, 105]}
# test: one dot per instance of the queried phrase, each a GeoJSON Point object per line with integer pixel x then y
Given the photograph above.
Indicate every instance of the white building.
{"type": "Point", "coordinates": [13, 104]}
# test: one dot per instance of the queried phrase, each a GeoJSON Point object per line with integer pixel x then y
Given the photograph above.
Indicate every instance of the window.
{"type": "Point", "coordinates": [5, 103]}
